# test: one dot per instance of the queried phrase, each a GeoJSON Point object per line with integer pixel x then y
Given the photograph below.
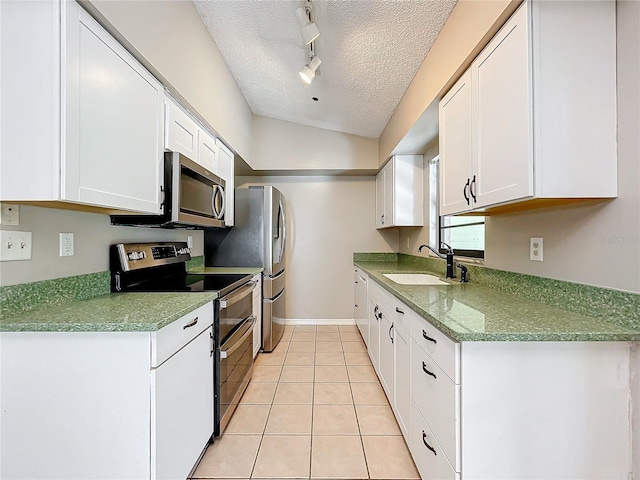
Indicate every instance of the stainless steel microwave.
{"type": "Point", "coordinates": [194, 197]}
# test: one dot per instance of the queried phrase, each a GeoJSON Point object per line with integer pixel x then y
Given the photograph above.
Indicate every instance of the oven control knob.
{"type": "Point", "coordinates": [184, 251]}
{"type": "Point", "coordinates": [136, 255]}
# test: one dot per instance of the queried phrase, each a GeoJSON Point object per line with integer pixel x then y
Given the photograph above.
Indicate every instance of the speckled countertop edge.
{"type": "Point", "coordinates": [117, 312]}
{"type": "Point", "coordinates": [501, 312]}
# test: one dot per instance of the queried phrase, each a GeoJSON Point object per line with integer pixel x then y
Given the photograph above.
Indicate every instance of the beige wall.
{"type": "Point", "coordinates": [280, 145]}
{"type": "Point", "coordinates": [468, 28]}
{"type": "Point", "coordinates": [93, 234]}
{"type": "Point", "coordinates": [329, 219]}
{"type": "Point", "coordinates": [596, 243]}
{"type": "Point", "coordinates": [174, 42]}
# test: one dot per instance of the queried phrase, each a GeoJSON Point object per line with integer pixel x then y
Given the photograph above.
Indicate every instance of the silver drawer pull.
{"type": "Point", "coordinates": [195, 320]}
{"type": "Point", "coordinates": [427, 337]}
{"type": "Point", "coordinates": [424, 369]}
{"type": "Point", "coordinates": [424, 440]}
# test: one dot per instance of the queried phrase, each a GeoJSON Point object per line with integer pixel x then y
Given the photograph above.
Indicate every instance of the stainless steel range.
{"type": "Point", "coordinates": [161, 267]}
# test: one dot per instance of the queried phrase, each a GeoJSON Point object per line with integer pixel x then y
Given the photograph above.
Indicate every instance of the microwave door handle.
{"type": "Point", "coordinates": [223, 206]}
{"type": "Point", "coordinates": [218, 190]}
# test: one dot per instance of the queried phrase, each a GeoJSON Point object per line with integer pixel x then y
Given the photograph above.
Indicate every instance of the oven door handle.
{"type": "Point", "coordinates": [237, 295]}
{"type": "Point", "coordinates": [249, 332]}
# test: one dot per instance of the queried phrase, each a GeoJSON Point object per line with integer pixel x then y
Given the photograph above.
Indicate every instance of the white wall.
{"type": "Point", "coordinates": [330, 218]}
{"type": "Point", "coordinates": [93, 234]}
{"type": "Point", "coordinates": [174, 41]}
{"type": "Point", "coordinates": [280, 145]}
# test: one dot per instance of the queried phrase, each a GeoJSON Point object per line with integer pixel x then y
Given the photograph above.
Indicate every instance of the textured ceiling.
{"type": "Point", "coordinates": [370, 52]}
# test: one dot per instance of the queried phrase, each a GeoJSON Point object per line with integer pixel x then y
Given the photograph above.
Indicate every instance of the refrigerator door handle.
{"type": "Point", "coordinates": [284, 231]}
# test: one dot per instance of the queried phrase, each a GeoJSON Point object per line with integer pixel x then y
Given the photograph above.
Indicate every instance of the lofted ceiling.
{"type": "Point", "coordinates": [370, 52]}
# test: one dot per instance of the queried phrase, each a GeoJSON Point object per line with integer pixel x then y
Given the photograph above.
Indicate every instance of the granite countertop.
{"type": "Point", "coordinates": [115, 312]}
{"type": "Point", "coordinates": [225, 270]}
{"type": "Point", "coordinates": [474, 312]}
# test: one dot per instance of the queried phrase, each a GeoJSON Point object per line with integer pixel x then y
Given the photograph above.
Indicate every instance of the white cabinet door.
{"type": "Point", "coordinates": [360, 304]}
{"type": "Point", "coordinates": [386, 366]}
{"type": "Point", "coordinates": [114, 122]}
{"type": "Point", "coordinates": [402, 376]}
{"type": "Point", "coordinates": [257, 312]}
{"type": "Point", "coordinates": [226, 167]}
{"type": "Point", "coordinates": [380, 199]}
{"type": "Point", "coordinates": [456, 148]}
{"type": "Point", "coordinates": [183, 408]}
{"type": "Point", "coordinates": [181, 131]}
{"type": "Point", "coordinates": [503, 163]}
{"type": "Point", "coordinates": [387, 210]}
{"type": "Point", "coordinates": [208, 152]}
{"type": "Point", "coordinates": [374, 333]}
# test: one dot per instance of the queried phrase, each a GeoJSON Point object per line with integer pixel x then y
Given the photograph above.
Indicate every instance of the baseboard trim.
{"type": "Point", "coordinates": [320, 321]}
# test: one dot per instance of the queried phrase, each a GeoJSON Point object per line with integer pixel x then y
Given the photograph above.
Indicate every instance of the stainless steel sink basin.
{"type": "Point", "coordinates": [414, 279]}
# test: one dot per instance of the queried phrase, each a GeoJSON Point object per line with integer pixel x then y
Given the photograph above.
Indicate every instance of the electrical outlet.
{"type": "Point", "coordinates": [535, 249]}
{"type": "Point", "coordinates": [66, 244]}
{"type": "Point", "coordinates": [190, 241]}
{"type": "Point", "coordinates": [15, 245]}
{"type": "Point", "coordinates": [9, 214]}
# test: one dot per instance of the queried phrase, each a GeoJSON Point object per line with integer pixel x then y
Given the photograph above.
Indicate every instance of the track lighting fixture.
{"type": "Point", "coordinates": [308, 28]}
{"type": "Point", "coordinates": [308, 72]}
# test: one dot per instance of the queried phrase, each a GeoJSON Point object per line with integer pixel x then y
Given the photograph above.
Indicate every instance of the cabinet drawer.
{"type": "Point", "coordinates": [431, 464]}
{"type": "Point", "coordinates": [168, 340]}
{"type": "Point", "coordinates": [438, 399]}
{"type": "Point", "coordinates": [440, 348]}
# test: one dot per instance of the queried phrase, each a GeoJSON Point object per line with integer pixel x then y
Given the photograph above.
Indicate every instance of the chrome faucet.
{"type": "Point", "coordinates": [448, 257]}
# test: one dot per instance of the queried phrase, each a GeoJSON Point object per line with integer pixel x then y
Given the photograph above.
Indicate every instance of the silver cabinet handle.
{"type": "Point", "coordinates": [190, 324]}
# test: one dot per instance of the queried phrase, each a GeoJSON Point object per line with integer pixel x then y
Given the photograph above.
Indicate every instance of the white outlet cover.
{"type": "Point", "coordinates": [9, 214]}
{"type": "Point", "coordinates": [15, 245]}
{"type": "Point", "coordinates": [66, 244]}
{"type": "Point", "coordinates": [536, 249]}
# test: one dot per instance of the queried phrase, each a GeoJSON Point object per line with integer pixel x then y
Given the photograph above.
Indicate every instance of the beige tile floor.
{"type": "Point", "coordinates": [314, 409]}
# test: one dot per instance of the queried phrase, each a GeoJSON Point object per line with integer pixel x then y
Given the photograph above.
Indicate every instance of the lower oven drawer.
{"type": "Point", "coordinates": [234, 309]}
{"type": "Point", "coordinates": [236, 363]}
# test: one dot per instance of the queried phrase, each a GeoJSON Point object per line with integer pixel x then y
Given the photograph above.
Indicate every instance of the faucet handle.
{"type": "Point", "coordinates": [463, 273]}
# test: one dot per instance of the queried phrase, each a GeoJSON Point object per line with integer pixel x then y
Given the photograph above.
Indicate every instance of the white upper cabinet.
{"type": "Point", "coordinates": [399, 187]}
{"type": "Point", "coordinates": [208, 152]}
{"type": "Point", "coordinates": [534, 117]}
{"type": "Point", "coordinates": [227, 172]}
{"type": "Point", "coordinates": [99, 112]}
{"type": "Point", "coordinates": [185, 135]}
{"type": "Point", "coordinates": [181, 134]}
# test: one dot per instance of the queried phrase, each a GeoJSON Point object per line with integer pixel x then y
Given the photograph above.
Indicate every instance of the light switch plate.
{"type": "Point", "coordinates": [535, 249]}
{"type": "Point", "coordinates": [15, 245]}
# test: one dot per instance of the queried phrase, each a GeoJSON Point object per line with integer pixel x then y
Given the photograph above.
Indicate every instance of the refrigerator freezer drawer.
{"type": "Point", "coordinates": [273, 318]}
{"type": "Point", "coordinates": [272, 285]}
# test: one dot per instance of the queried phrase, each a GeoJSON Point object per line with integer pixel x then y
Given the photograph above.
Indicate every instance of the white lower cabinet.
{"type": "Point", "coordinates": [374, 332]}
{"type": "Point", "coordinates": [360, 304]}
{"type": "Point", "coordinates": [107, 404]}
{"type": "Point", "coordinates": [426, 451]}
{"type": "Point", "coordinates": [484, 410]}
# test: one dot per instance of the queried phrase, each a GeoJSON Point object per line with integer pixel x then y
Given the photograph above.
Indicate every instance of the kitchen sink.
{"type": "Point", "coordinates": [414, 279]}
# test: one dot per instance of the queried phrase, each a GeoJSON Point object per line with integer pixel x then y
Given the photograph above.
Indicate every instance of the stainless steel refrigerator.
{"type": "Point", "coordinates": [258, 239]}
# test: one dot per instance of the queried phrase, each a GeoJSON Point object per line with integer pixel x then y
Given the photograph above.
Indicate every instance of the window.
{"type": "Point", "coordinates": [464, 234]}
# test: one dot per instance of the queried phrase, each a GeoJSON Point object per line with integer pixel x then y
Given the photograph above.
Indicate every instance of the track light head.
{"type": "Point", "coordinates": [308, 72]}
{"type": "Point", "coordinates": [308, 28]}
